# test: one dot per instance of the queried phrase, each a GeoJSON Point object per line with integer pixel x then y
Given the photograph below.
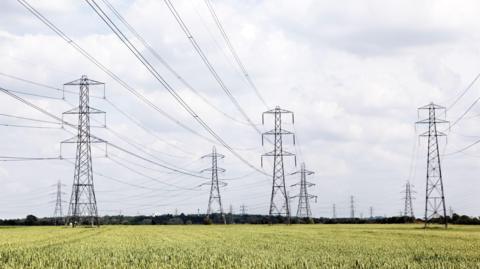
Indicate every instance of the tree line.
{"type": "Point", "coordinates": [182, 219]}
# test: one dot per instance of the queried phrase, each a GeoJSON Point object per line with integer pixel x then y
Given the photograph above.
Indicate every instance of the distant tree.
{"type": "Point", "coordinates": [175, 221]}
{"type": "Point", "coordinates": [31, 220]}
{"type": "Point", "coordinates": [207, 221]}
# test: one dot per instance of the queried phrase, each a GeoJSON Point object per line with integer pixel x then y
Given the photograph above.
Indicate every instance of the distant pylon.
{"type": "Point", "coordinates": [58, 212]}
{"type": "Point", "coordinates": [230, 212]}
{"type": "Point", "coordinates": [303, 210]}
{"type": "Point", "coordinates": [408, 210]}
{"type": "Point", "coordinates": [334, 212]}
{"type": "Point", "coordinates": [83, 203]}
{"type": "Point", "coordinates": [434, 192]}
{"type": "Point", "coordinates": [243, 210]}
{"type": "Point", "coordinates": [215, 184]}
{"type": "Point", "coordinates": [371, 212]}
{"type": "Point", "coordinates": [352, 208]}
{"type": "Point", "coordinates": [279, 201]}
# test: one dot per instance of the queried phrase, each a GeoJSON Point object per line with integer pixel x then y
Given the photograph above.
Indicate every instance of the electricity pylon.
{"type": "Point", "coordinates": [408, 210]}
{"type": "Point", "coordinates": [303, 210]}
{"type": "Point", "coordinates": [434, 192]}
{"type": "Point", "coordinates": [230, 212]}
{"type": "Point", "coordinates": [58, 212]}
{"type": "Point", "coordinates": [334, 212]}
{"type": "Point", "coordinates": [371, 212]}
{"type": "Point", "coordinates": [243, 209]}
{"type": "Point", "coordinates": [215, 184]}
{"type": "Point", "coordinates": [279, 201]}
{"type": "Point", "coordinates": [352, 208]}
{"type": "Point", "coordinates": [83, 203]}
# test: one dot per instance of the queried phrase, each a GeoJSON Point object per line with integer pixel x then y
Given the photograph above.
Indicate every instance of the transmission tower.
{"type": "Point", "coordinates": [279, 201]}
{"type": "Point", "coordinates": [434, 192]}
{"type": "Point", "coordinates": [83, 203]}
{"type": "Point", "coordinates": [408, 210]}
{"type": "Point", "coordinates": [230, 212]}
{"type": "Point", "coordinates": [215, 184]}
{"type": "Point", "coordinates": [371, 212]}
{"type": "Point", "coordinates": [243, 209]}
{"type": "Point", "coordinates": [334, 212]}
{"type": "Point", "coordinates": [352, 208]}
{"type": "Point", "coordinates": [58, 212]}
{"type": "Point", "coordinates": [303, 210]}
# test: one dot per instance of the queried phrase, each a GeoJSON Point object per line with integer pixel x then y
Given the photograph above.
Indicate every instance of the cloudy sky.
{"type": "Point", "coordinates": [353, 72]}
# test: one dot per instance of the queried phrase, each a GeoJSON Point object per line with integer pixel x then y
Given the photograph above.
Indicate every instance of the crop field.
{"type": "Point", "coordinates": [241, 246]}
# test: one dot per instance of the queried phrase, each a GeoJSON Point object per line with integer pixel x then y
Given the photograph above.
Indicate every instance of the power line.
{"type": "Point", "coordinates": [152, 178]}
{"type": "Point", "coordinates": [464, 92]}
{"type": "Point", "coordinates": [36, 95]}
{"type": "Point", "coordinates": [163, 82]}
{"type": "Point", "coordinates": [148, 130]}
{"type": "Point", "coordinates": [108, 143]}
{"type": "Point", "coordinates": [133, 91]}
{"type": "Point", "coordinates": [115, 77]}
{"type": "Point", "coordinates": [18, 158]}
{"type": "Point", "coordinates": [205, 60]}
{"type": "Point", "coordinates": [111, 144]}
{"type": "Point", "coordinates": [165, 63]}
{"type": "Point", "coordinates": [462, 149]}
{"type": "Point", "coordinates": [233, 51]}
{"type": "Point", "coordinates": [32, 82]}
{"type": "Point", "coordinates": [464, 113]}
{"type": "Point", "coordinates": [30, 119]}
{"type": "Point", "coordinates": [29, 126]}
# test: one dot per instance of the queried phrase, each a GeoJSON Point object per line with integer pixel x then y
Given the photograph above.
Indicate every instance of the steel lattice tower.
{"type": "Point", "coordinates": [334, 212]}
{"type": "Point", "coordinates": [243, 209]}
{"type": "Point", "coordinates": [83, 203]}
{"type": "Point", "coordinates": [303, 210]}
{"type": "Point", "coordinates": [434, 192]}
{"type": "Point", "coordinates": [408, 210]}
{"type": "Point", "coordinates": [230, 212]}
{"type": "Point", "coordinates": [352, 208]}
{"type": "Point", "coordinates": [58, 212]}
{"type": "Point", "coordinates": [279, 201]}
{"type": "Point", "coordinates": [215, 184]}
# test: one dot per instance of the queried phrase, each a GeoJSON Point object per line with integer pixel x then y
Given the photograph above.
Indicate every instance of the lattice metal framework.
{"type": "Point", "coordinates": [83, 203]}
{"type": "Point", "coordinates": [58, 212]}
{"type": "Point", "coordinates": [243, 210]}
{"type": "Point", "coordinates": [434, 192]}
{"type": "Point", "coordinates": [279, 201]}
{"type": "Point", "coordinates": [303, 210]}
{"type": "Point", "coordinates": [408, 198]}
{"type": "Point", "coordinates": [352, 207]}
{"type": "Point", "coordinates": [215, 184]}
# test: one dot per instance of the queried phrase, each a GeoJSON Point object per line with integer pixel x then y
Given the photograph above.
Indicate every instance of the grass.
{"type": "Point", "coordinates": [241, 246]}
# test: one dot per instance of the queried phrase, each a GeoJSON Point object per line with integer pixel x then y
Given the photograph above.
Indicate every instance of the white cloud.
{"type": "Point", "coordinates": [352, 71]}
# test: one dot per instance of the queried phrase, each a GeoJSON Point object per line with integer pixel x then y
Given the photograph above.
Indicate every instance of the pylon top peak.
{"type": "Point", "coordinates": [432, 105]}
{"type": "Point", "coordinates": [84, 80]}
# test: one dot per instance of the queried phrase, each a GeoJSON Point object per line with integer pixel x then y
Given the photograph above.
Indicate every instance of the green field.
{"type": "Point", "coordinates": [241, 246]}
